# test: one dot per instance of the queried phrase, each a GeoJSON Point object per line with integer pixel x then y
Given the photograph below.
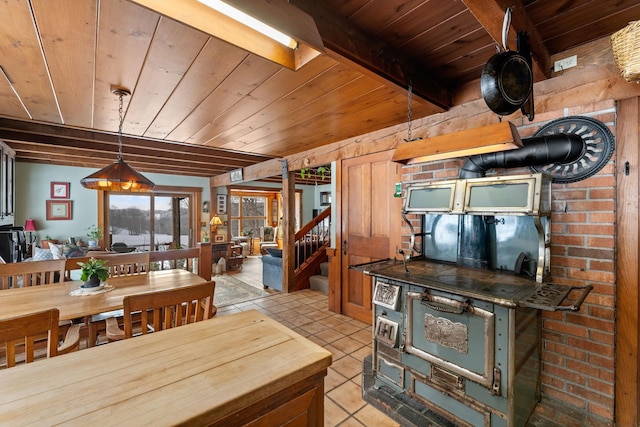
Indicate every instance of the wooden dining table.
{"type": "Point", "coordinates": [238, 369]}
{"type": "Point", "coordinates": [19, 301]}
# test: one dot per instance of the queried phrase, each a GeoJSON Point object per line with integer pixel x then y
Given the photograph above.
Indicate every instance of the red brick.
{"type": "Point", "coordinates": [422, 176]}
{"type": "Point", "coordinates": [564, 397]}
{"type": "Point", "coordinates": [565, 328]}
{"type": "Point", "coordinates": [601, 361]}
{"type": "Point", "coordinates": [590, 322]}
{"type": "Point", "coordinates": [591, 346]}
{"type": "Point", "coordinates": [568, 351]}
{"type": "Point", "coordinates": [569, 217]}
{"type": "Point", "coordinates": [597, 276]}
{"type": "Point", "coordinates": [557, 228]}
{"type": "Point", "coordinates": [602, 193]}
{"type": "Point", "coordinates": [600, 242]}
{"type": "Point", "coordinates": [567, 240]}
{"type": "Point", "coordinates": [565, 374]}
{"type": "Point", "coordinates": [602, 337]}
{"type": "Point", "coordinates": [605, 388]}
{"type": "Point", "coordinates": [601, 265]}
{"type": "Point", "coordinates": [605, 412]}
{"type": "Point", "coordinates": [590, 206]}
{"type": "Point", "coordinates": [601, 312]}
{"type": "Point", "coordinates": [591, 253]}
{"type": "Point", "coordinates": [598, 229]}
{"type": "Point", "coordinates": [570, 262]}
{"type": "Point", "coordinates": [602, 217]}
{"type": "Point", "coordinates": [589, 395]}
{"type": "Point", "coordinates": [600, 180]}
{"type": "Point", "coordinates": [574, 194]}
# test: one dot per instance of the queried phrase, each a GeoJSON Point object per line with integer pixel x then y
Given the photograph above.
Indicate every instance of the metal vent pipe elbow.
{"type": "Point", "coordinates": [540, 150]}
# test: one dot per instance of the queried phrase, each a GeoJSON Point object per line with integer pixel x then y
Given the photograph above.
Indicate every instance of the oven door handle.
{"type": "Point", "coordinates": [444, 305]}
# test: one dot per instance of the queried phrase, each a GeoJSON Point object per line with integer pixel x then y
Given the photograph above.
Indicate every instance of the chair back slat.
{"type": "Point", "coordinates": [34, 273]}
{"type": "Point", "coordinates": [24, 331]}
{"type": "Point", "coordinates": [169, 308]}
{"type": "Point", "coordinates": [129, 264]}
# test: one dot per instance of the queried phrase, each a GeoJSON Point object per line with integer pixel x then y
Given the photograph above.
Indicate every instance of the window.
{"type": "Point", "coordinates": [248, 214]}
{"type": "Point", "coordinates": [150, 221]}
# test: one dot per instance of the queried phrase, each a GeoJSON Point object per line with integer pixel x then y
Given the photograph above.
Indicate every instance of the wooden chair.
{"type": "Point", "coordinates": [34, 273]}
{"type": "Point", "coordinates": [164, 309]}
{"type": "Point", "coordinates": [25, 331]}
{"type": "Point", "coordinates": [128, 264]}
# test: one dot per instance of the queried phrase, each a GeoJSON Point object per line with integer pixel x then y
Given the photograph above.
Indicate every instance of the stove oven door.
{"type": "Point", "coordinates": [455, 335]}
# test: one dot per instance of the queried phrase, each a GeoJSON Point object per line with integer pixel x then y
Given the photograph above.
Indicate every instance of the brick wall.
{"type": "Point", "coordinates": [578, 348]}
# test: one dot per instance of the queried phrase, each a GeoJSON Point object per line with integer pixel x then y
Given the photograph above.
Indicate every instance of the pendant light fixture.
{"type": "Point", "coordinates": [118, 176]}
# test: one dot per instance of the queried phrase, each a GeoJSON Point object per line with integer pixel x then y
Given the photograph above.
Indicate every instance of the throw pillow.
{"type": "Point", "coordinates": [274, 252]}
{"type": "Point", "coordinates": [72, 251]}
{"type": "Point", "coordinates": [56, 251]}
{"type": "Point", "coordinates": [40, 254]}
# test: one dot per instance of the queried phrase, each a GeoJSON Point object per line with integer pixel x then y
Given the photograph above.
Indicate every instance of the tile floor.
{"type": "Point", "coordinates": [349, 341]}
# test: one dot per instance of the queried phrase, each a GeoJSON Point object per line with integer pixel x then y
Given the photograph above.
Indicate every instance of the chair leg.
{"type": "Point", "coordinates": [92, 339]}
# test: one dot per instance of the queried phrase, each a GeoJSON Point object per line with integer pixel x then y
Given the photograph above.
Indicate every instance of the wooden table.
{"type": "Point", "coordinates": [19, 301]}
{"type": "Point", "coordinates": [224, 371]}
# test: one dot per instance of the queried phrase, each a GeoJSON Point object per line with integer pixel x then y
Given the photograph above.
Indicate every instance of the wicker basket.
{"type": "Point", "coordinates": [626, 51]}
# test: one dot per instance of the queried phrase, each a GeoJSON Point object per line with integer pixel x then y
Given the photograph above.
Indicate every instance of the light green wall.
{"type": "Point", "coordinates": [33, 183]}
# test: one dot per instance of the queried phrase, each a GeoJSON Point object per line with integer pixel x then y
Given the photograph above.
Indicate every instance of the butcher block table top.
{"type": "Point", "coordinates": [20, 301]}
{"type": "Point", "coordinates": [191, 375]}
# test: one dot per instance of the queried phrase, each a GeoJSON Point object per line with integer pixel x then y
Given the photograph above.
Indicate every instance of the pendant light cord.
{"type": "Point", "coordinates": [409, 110]}
{"type": "Point", "coordinates": [121, 119]}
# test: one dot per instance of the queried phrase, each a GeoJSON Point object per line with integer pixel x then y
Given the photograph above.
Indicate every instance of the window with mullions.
{"type": "Point", "coordinates": [248, 214]}
{"type": "Point", "coordinates": [150, 221]}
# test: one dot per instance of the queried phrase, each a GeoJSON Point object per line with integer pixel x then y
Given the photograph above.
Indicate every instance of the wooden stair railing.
{"type": "Point", "coordinates": [311, 242]}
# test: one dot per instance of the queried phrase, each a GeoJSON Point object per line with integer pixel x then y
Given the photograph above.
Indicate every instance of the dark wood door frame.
{"type": "Point", "coordinates": [627, 259]}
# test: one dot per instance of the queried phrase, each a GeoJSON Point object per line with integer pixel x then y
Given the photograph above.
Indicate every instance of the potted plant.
{"type": "Point", "coordinates": [94, 234]}
{"type": "Point", "coordinates": [94, 272]}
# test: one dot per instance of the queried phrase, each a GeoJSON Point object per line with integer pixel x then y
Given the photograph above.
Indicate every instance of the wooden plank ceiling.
{"type": "Point", "coordinates": [202, 107]}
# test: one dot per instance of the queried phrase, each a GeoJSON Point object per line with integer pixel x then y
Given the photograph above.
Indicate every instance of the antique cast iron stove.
{"type": "Point", "coordinates": [456, 337]}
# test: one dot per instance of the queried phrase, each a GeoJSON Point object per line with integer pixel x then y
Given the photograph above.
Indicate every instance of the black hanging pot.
{"type": "Point", "coordinates": [507, 79]}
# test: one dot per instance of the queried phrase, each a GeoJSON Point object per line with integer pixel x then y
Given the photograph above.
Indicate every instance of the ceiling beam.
{"type": "Point", "coordinates": [490, 14]}
{"type": "Point", "coordinates": [346, 43]}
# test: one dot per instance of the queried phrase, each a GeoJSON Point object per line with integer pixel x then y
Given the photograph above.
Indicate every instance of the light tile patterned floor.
{"type": "Point", "coordinates": [348, 340]}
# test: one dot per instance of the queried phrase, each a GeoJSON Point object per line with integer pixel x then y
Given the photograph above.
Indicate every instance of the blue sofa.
{"type": "Point", "coordinates": [272, 263]}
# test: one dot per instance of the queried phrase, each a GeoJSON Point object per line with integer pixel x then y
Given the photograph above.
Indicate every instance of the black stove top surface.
{"type": "Point", "coordinates": [502, 288]}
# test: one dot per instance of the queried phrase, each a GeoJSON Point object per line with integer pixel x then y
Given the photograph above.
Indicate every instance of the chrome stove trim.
{"type": "Point", "coordinates": [485, 380]}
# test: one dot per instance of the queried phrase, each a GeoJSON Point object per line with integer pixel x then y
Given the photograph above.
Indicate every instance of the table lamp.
{"type": "Point", "coordinates": [30, 226]}
{"type": "Point", "coordinates": [215, 222]}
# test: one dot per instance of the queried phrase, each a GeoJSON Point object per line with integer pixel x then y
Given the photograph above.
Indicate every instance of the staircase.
{"type": "Point", "coordinates": [312, 241]}
{"type": "Point", "coordinates": [321, 282]}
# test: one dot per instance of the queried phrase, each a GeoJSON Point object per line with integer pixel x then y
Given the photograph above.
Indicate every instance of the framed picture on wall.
{"type": "Point", "coordinates": [58, 210]}
{"type": "Point", "coordinates": [218, 238]}
{"type": "Point", "coordinates": [325, 198]}
{"type": "Point", "coordinates": [222, 204]}
{"type": "Point", "coordinates": [59, 190]}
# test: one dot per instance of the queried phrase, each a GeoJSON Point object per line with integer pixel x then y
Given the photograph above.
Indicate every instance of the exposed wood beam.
{"type": "Point", "coordinates": [344, 42]}
{"type": "Point", "coordinates": [47, 134]}
{"type": "Point", "coordinates": [490, 14]}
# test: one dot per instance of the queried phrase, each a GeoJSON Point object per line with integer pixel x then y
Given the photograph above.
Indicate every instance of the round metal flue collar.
{"type": "Point", "coordinates": [598, 148]}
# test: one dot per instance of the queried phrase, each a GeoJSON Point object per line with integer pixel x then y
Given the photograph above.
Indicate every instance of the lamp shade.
{"type": "Point", "coordinates": [118, 176]}
{"type": "Point", "coordinates": [216, 220]}
{"type": "Point", "coordinates": [30, 225]}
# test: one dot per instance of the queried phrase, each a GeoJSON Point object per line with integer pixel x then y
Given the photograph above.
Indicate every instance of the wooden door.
{"type": "Point", "coordinates": [370, 225]}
